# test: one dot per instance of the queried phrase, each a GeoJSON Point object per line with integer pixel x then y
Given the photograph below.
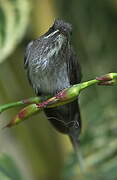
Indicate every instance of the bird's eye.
{"type": "Point", "coordinates": [51, 29]}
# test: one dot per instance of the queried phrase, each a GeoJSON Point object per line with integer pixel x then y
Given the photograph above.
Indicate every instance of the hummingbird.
{"type": "Point", "coordinates": [52, 65]}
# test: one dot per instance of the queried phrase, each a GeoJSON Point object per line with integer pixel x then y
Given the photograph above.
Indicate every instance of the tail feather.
{"type": "Point", "coordinates": [78, 153]}
{"type": "Point", "coordinates": [66, 119]}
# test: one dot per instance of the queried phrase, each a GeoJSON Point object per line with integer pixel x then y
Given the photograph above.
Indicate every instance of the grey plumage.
{"type": "Point", "coordinates": [51, 66]}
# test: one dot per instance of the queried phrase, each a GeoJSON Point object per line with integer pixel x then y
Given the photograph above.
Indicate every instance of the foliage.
{"type": "Point", "coordinates": [8, 169]}
{"type": "Point", "coordinates": [14, 16]}
{"type": "Point", "coordinates": [94, 37]}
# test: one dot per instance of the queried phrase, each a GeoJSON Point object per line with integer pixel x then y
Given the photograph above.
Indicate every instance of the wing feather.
{"type": "Point", "coordinates": [27, 54]}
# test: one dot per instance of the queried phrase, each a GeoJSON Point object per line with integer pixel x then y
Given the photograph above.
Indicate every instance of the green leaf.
{"type": "Point", "coordinates": [14, 17]}
{"type": "Point", "coordinates": [8, 168]}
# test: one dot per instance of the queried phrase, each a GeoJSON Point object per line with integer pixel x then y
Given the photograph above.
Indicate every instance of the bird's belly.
{"type": "Point", "coordinates": [50, 82]}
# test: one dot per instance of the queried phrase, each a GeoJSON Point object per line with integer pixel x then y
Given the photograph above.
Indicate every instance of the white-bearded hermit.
{"type": "Point", "coordinates": [51, 66]}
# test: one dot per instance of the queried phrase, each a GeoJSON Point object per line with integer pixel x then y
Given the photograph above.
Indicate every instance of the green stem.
{"type": "Point", "coordinates": [31, 100]}
{"type": "Point", "coordinates": [73, 92]}
{"type": "Point", "coordinates": [37, 100]}
{"type": "Point", "coordinates": [10, 105]}
{"type": "Point", "coordinates": [88, 83]}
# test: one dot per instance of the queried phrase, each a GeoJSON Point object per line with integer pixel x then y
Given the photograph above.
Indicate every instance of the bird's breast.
{"type": "Point", "coordinates": [51, 80]}
{"type": "Point", "coordinates": [48, 71]}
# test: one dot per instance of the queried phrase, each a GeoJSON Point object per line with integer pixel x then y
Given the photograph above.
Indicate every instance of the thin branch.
{"type": "Point", "coordinates": [63, 97]}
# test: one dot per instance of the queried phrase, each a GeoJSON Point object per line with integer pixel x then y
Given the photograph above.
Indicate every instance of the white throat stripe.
{"type": "Point", "coordinates": [51, 34]}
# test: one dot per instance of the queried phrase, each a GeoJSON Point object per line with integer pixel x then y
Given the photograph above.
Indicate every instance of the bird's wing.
{"type": "Point", "coordinates": [74, 69]}
{"type": "Point", "coordinates": [27, 54]}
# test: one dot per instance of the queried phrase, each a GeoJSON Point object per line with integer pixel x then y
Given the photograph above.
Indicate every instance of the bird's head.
{"type": "Point", "coordinates": [60, 27]}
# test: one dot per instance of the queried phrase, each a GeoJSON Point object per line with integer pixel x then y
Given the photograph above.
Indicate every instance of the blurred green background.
{"type": "Point", "coordinates": [33, 150]}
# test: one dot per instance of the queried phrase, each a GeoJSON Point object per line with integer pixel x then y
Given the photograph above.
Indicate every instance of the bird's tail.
{"type": "Point", "coordinates": [74, 135]}
{"type": "Point", "coordinates": [78, 153]}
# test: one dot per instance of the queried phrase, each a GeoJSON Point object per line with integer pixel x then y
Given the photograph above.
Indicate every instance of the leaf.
{"type": "Point", "coordinates": [14, 17]}
{"type": "Point", "coordinates": [8, 168]}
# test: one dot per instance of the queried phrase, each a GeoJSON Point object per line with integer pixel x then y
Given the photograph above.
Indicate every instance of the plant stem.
{"type": "Point", "coordinates": [73, 93]}
{"type": "Point", "coordinates": [31, 100]}
{"type": "Point", "coordinates": [88, 83]}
